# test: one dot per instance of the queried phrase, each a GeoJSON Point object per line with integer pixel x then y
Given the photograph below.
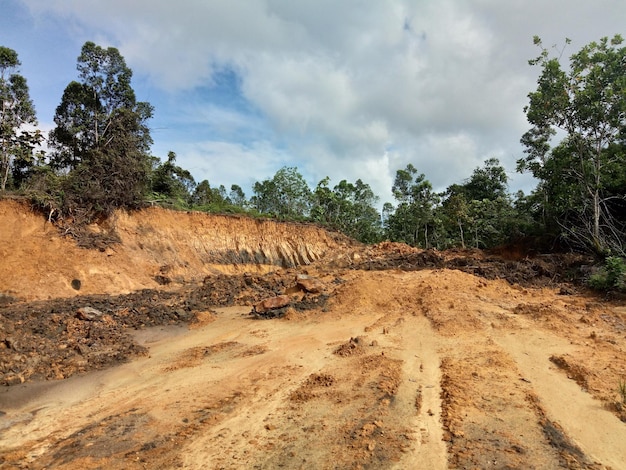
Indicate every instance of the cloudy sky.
{"type": "Point", "coordinates": [346, 88]}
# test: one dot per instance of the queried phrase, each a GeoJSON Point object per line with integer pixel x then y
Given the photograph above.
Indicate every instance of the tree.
{"type": "Point", "coordinates": [101, 137]}
{"type": "Point", "coordinates": [587, 104]}
{"type": "Point", "coordinates": [489, 182]}
{"type": "Point", "coordinates": [365, 223]}
{"type": "Point", "coordinates": [237, 197]}
{"type": "Point", "coordinates": [455, 208]}
{"type": "Point", "coordinates": [413, 218]}
{"type": "Point", "coordinates": [16, 111]}
{"type": "Point", "coordinates": [349, 208]}
{"type": "Point", "coordinates": [285, 195]}
{"type": "Point", "coordinates": [205, 195]}
{"type": "Point", "coordinates": [172, 181]}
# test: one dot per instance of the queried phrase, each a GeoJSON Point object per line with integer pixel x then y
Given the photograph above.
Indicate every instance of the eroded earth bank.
{"type": "Point", "coordinates": [163, 351]}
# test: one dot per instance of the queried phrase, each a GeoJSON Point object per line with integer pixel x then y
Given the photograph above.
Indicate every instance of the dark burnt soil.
{"type": "Point", "coordinates": [59, 338]}
{"type": "Point", "coordinates": [537, 271]}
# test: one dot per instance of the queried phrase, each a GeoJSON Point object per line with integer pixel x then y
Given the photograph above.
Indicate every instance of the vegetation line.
{"type": "Point", "coordinates": [98, 159]}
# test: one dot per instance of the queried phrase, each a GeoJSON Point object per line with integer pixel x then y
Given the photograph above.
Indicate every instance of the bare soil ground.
{"type": "Point", "coordinates": [388, 357]}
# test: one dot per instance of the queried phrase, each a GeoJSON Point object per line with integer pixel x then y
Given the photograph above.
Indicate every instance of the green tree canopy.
{"type": "Point", "coordinates": [237, 197]}
{"type": "Point", "coordinates": [349, 208]}
{"type": "Point", "coordinates": [285, 195]}
{"type": "Point", "coordinates": [413, 218]}
{"type": "Point", "coordinates": [204, 195]}
{"type": "Point", "coordinates": [487, 182]}
{"type": "Point", "coordinates": [172, 181]}
{"type": "Point", "coordinates": [16, 111]}
{"type": "Point", "coordinates": [102, 137]}
{"type": "Point", "coordinates": [587, 104]}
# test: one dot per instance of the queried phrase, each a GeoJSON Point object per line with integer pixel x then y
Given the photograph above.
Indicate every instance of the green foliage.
{"type": "Point", "coordinates": [578, 176]}
{"type": "Point", "coordinates": [237, 197]}
{"type": "Point", "coordinates": [205, 195]}
{"type": "Point", "coordinates": [612, 275]}
{"type": "Point", "coordinates": [349, 208]}
{"type": "Point", "coordinates": [101, 137]}
{"type": "Point", "coordinates": [286, 195]}
{"type": "Point", "coordinates": [413, 220]}
{"type": "Point", "coordinates": [487, 183]}
{"type": "Point", "coordinates": [171, 182]}
{"type": "Point", "coordinates": [478, 212]}
{"type": "Point", "coordinates": [16, 110]}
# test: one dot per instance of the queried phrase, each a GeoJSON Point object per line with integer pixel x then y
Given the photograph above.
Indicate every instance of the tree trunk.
{"type": "Point", "coordinates": [461, 232]}
{"type": "Point", "coordinates": [596, 218]}
{"type": "Point", "coordinates": [5, 178]}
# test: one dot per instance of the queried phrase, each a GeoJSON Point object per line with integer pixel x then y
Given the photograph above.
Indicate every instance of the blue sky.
{"type": "Point", "coordinates": [350, 89]}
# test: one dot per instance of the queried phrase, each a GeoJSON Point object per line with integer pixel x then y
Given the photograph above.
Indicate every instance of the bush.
{"type": "Point", "coordinates": [611, 276]}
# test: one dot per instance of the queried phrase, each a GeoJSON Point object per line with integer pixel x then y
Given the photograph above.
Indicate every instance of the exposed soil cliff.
{"type": "Point", "coordinates": [158, 247]}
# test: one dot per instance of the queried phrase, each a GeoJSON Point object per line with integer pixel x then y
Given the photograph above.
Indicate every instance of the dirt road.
{"type": "Point", "coordinates": [427, 369]}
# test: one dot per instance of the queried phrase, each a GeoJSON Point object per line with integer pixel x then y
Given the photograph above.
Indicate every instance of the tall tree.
{"type": "Point", "coordinates": [412, 220]}
{"type": "Point", "coordinates": [205, 195]}
{"type": "Point", "coordinates": [172, 181]}
{"type": "Point", "coordinates": [285, 195]}
{"type": "Point", "coordinates": [102, 133]}
{"type": "Point", "coordinates": [487, 182]}
{"type": "Point", "coordinates": [237, 197]}
{"type": "Point", "coordinates": [16, 111]}
{"type": "Point", "coordinates": [349, 208]}
{"type": "Point", "coordinates": [587, 104]}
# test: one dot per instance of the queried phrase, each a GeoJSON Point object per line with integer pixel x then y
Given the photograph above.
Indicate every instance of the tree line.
{"type": "Point", "coordinates": [99, 159]}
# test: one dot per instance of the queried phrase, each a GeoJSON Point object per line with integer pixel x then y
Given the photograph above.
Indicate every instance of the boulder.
{"type": "Point", "coordinates": [272, 303]}
{"type": "Point", "coordinates": [88, 314]}
{"type": "Point", "coordinates": [309, 284]}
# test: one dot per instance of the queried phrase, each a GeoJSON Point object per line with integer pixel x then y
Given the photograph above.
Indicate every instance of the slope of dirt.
{"type": "Point", "coordinates": [159, 247]}
{"type": "Point", "coordinates": [383, 357]}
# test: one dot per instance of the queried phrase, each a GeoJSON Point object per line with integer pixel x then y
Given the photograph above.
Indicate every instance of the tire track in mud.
{"type": "Point", "coordinates": [493, 416]}
{"type": "Point", "coordinates": [589, 426]}
{"type": "Point", "coordinates": [369, 401]}
{"type": "Point", "coordinates": [489, 416]}
{"type": "Point", "coordinates": [431, 369]}
{"type": "Point", "coordinates": [418, 397]}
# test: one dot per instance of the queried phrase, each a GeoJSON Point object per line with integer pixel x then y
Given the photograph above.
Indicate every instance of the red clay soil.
{"type": "Point", "coordinates": [150, 353]}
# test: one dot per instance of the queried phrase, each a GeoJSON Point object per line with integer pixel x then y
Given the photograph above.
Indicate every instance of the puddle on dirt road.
{"type": "Point", "coordinates": [150, 336]}
{"type": "Point", "coordinates": [155, 334]}
{"type": "Point", "coordinates": [37, 394]}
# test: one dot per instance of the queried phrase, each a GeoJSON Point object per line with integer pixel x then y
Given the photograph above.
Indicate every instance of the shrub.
{"type": "Point", "coordinates": [611, 276]}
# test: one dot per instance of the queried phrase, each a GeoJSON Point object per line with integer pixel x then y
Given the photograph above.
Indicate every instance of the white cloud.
{"type": "Point", "coordinates": [351, 89]}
